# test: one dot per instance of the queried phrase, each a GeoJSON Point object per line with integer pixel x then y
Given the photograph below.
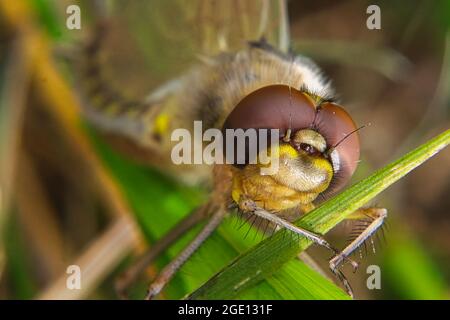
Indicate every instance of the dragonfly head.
{"type": "Point", "coordinates": [318, 144]}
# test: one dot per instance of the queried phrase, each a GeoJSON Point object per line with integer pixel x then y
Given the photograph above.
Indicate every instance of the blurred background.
{"type": "Point", "coordinates": [67, 197]}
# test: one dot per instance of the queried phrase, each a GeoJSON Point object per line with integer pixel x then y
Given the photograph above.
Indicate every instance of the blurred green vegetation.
{"type": "Point", "coordinates": [410, 269]}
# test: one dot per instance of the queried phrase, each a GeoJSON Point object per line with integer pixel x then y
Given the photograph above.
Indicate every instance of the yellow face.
{"type": "Point", "coordinates": [303, 172]}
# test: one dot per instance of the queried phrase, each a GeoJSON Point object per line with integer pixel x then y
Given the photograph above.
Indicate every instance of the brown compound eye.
{"type": "Point", "coordinates": [283, 107]}
{"type": "Point", "coordinates": [339, 130]}
{"type": "Point", "coordinates": [272, 107]}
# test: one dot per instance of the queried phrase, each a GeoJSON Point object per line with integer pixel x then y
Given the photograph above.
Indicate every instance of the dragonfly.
{"type": "Point", "coordinates": [228, 65]}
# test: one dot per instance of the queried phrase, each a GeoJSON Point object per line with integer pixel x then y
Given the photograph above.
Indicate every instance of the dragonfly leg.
{"type": "Point", "coordinates": [127, 278]}
{"type": "Point", "coordinates": [377, 217]}
{"type": "Point", "coordinates": [169, 271]}
{"type": "Point", "coordinates": [251, 207]}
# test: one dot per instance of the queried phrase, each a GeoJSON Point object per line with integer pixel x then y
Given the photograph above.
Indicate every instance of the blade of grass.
{"type": "Point", "coordinates": [271, 254]}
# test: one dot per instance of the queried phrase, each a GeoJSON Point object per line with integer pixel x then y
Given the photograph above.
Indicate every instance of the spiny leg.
{"type": "Point", "coordinates": [169, 271]}
{"type": "Point", "coordinates": [251, 207]}
{"type": "Point", "coordinates": [377, 217]}
{"type": "Point", "coordinates": [126, 279]}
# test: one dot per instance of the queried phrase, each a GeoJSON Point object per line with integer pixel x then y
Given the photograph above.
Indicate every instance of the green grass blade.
{"type": "Point", "coordinates": [271, 254]}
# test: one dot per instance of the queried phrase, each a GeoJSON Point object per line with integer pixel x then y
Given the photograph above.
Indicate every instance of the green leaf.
{"type": "Point", "coordinates": [271, 254]}
{"type": "Point", "coordinates": [294, 281]}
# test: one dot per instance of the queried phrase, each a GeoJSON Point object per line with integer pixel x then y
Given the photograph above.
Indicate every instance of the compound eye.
{"type": "Point", "coordinates": [272, 107]}
{"type": "Point", "coordinates": [336, 125]}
